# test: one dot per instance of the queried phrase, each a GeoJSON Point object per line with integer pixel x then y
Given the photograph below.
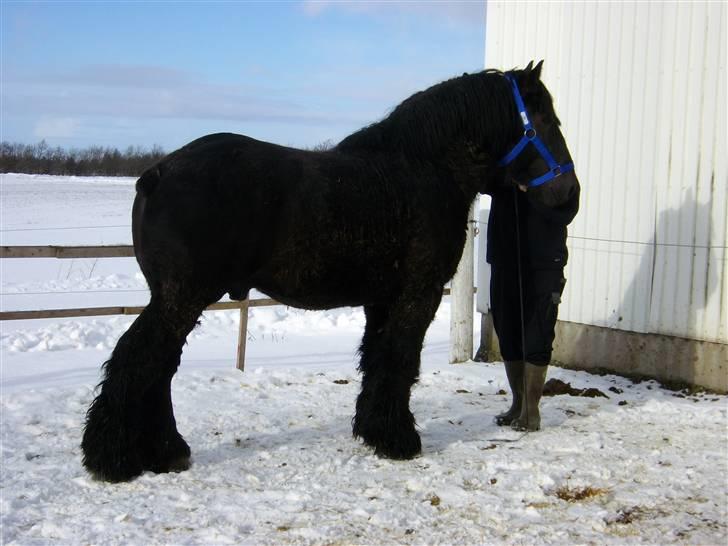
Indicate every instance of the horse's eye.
{"type": "Point", "coordinates": [549, 119]}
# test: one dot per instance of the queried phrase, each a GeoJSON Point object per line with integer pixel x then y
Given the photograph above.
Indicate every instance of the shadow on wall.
{"type": "Point", "coordinates": [652, 303]}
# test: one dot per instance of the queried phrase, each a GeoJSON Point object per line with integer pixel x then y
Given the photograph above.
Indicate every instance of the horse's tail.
{"type": "Point", "coordinates": [148, 181]}
{"type": "Point", "coordinates": [145, 187]}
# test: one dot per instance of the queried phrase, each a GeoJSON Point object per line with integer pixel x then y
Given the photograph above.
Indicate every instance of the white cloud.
{"type": "Point", "coordinates": [61, 101]}
{"type": "Point", "coordinates": [314, 7]}
{"type": "Point", "coordinates": [54, 127]}
{"type": "Point", "coordinates": [450, 11]}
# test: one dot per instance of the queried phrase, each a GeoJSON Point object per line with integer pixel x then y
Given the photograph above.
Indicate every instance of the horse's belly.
{"type": "Point", "coordinates": [314, 287]}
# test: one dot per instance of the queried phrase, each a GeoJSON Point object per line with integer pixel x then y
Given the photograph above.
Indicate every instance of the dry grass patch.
{"type": "Point", "coordinates": [576, 494]}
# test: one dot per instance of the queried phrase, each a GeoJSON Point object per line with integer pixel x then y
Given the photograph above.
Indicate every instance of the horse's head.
{"type": "Point", "coordinates": [537, 159]}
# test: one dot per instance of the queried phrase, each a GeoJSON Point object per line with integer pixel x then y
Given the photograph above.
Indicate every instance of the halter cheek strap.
{"type": "Point", "coordinates": [530, 136]}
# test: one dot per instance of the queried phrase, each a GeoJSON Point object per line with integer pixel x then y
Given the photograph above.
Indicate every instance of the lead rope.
{"type": "Point", "coordinates": [520, 298]}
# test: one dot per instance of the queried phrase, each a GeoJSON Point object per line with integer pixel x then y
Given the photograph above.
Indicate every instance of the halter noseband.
{"type": "Point", "coordinates": [530, 135]}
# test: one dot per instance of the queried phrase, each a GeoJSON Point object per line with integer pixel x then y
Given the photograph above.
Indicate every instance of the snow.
{"type": "Point", "coordinates": [273, 457]}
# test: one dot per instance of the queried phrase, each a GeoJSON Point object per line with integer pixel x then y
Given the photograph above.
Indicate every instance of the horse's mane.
{"type": "Point", "coordinates": [477, 104]}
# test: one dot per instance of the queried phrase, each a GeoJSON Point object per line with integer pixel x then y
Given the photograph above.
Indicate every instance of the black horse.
{"type": "Point", "coordinates": [378, 221]}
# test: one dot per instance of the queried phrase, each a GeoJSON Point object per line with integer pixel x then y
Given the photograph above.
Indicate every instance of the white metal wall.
{"type": "Point", "coordinates": [641, 92]}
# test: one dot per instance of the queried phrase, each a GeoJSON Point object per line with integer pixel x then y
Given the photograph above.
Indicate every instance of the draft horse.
{"type": "Point", "coordinates": [378, 221]}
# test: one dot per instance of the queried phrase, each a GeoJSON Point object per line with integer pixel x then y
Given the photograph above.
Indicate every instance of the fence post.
{"type": "Point", "coordinates": [461, 299]}
{"type": "Point", "coordinates": [242, 334]}
{"type": "Point", "coordinates": [486, 352]}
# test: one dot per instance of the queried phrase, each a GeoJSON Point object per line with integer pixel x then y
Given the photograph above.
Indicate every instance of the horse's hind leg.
{"type": "Point", "coordinates": [390, 364]}
{"type": "Point", "coordinates": [162, 447]}
{"type": "Point", "coordinates": [130, 426]}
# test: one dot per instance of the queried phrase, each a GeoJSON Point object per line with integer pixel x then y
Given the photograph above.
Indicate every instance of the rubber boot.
{"type": "Point", "coordinates": [533, 379]}
{"type": "Point", "coordinates": [514, 372]}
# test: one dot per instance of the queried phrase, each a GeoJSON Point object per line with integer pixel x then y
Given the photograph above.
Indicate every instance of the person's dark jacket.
{"type": "Point", "coordinates": [542, 230]}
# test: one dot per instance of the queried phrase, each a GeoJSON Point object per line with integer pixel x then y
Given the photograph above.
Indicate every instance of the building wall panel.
{"type": "Point", "coordinates": [641, 92]}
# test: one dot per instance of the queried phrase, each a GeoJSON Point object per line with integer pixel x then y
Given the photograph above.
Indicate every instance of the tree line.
{"type": "Point", "coordinates": [92, 161]}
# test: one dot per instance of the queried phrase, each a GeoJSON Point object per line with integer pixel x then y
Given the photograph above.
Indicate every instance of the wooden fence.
{"type": "Point", "coordinates": [121, 251]}
{"type": "Point", "coordinates": [118, 251]}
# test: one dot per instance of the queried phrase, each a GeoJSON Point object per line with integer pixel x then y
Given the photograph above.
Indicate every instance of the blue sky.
{"type": "Point", "coordinates": [296, 73]}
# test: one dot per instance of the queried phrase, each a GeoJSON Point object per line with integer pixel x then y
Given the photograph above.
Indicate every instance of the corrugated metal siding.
{"type": "Point", "coordinates": [641, 92]}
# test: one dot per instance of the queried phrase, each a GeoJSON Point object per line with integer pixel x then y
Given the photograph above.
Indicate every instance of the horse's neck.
{"type": "Point", "coordinates": [429, 125]}
{"type": "Point", "coordinates": [416, 136]}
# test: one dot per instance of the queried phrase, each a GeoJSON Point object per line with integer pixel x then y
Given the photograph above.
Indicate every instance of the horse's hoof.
{"type": "Point", "coordinates": [390, 437]}
{"type": "Point", "coordinates": [109, 465]}
{"type": "Point", "coordinates": [179, 464]}
{"type": "Point", "coordinates": [399, 446]}
{"type": "Point", "coordinates": [113, 474]}
{"type": "Point", "coordinates": [173, 456]}
{"type": "Point", "coordinates": [400, 450]}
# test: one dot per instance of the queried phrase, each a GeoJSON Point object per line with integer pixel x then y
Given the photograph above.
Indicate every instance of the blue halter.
{"type": "Point", "coordinates": [529, 135]}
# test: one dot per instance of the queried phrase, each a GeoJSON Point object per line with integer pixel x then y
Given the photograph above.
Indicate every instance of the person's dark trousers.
{"type": "Point", "coordinates": [542, 289]}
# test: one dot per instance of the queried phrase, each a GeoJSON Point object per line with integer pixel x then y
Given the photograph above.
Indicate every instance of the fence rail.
{"type": "Point", "coordinates": [118, 310]}
{"type": "Point", "coordinates": [114, 251]}
{"type": "Point", "coordinates": [65, 252]}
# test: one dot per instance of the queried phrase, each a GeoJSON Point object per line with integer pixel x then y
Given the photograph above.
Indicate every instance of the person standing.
{"type": "Point", "coordinates": [527, 253]}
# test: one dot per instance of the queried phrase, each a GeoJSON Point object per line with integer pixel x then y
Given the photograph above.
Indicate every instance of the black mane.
{"type": "Point", "coordinates": [477, 107]}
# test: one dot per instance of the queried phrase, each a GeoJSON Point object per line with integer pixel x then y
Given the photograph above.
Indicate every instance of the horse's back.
{"type": "Point", "coordinates": [214, 198]}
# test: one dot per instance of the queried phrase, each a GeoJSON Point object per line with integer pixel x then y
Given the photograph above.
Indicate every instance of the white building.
{"type": "Point", "coordinates": [640, 89]}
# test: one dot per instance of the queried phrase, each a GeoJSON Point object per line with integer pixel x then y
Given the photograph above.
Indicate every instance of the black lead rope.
{"type": "Point", "coordinates": [524, 400]}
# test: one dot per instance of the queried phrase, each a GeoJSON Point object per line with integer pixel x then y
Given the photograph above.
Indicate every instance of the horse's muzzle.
{"type": "Point", "coordinates": [558, 191]}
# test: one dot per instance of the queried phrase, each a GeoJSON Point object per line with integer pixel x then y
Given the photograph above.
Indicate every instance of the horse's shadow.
{"type": "Point", "coordinates": [247, 446]}
{"type": "Point", "coordinates": [441, 427]}
{"type": "Point", "coordinates": [438, 432]}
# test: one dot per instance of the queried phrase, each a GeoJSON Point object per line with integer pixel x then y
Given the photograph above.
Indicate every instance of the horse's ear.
{"type": "Point", "coordinates": [536, 72]}
{"type": "Point", "coordinates": [531, 76]}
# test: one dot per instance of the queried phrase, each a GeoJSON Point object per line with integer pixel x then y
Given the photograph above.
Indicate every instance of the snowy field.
{"type": "Point", "coordinates": [273, 457]}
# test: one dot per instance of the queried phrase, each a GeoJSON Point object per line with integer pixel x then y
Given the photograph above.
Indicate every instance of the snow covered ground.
{"type": "Point", "coordinates": [273, 457]}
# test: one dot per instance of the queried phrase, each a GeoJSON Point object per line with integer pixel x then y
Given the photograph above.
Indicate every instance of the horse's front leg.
{"type": "Point", "coordinates": [390, 365]}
